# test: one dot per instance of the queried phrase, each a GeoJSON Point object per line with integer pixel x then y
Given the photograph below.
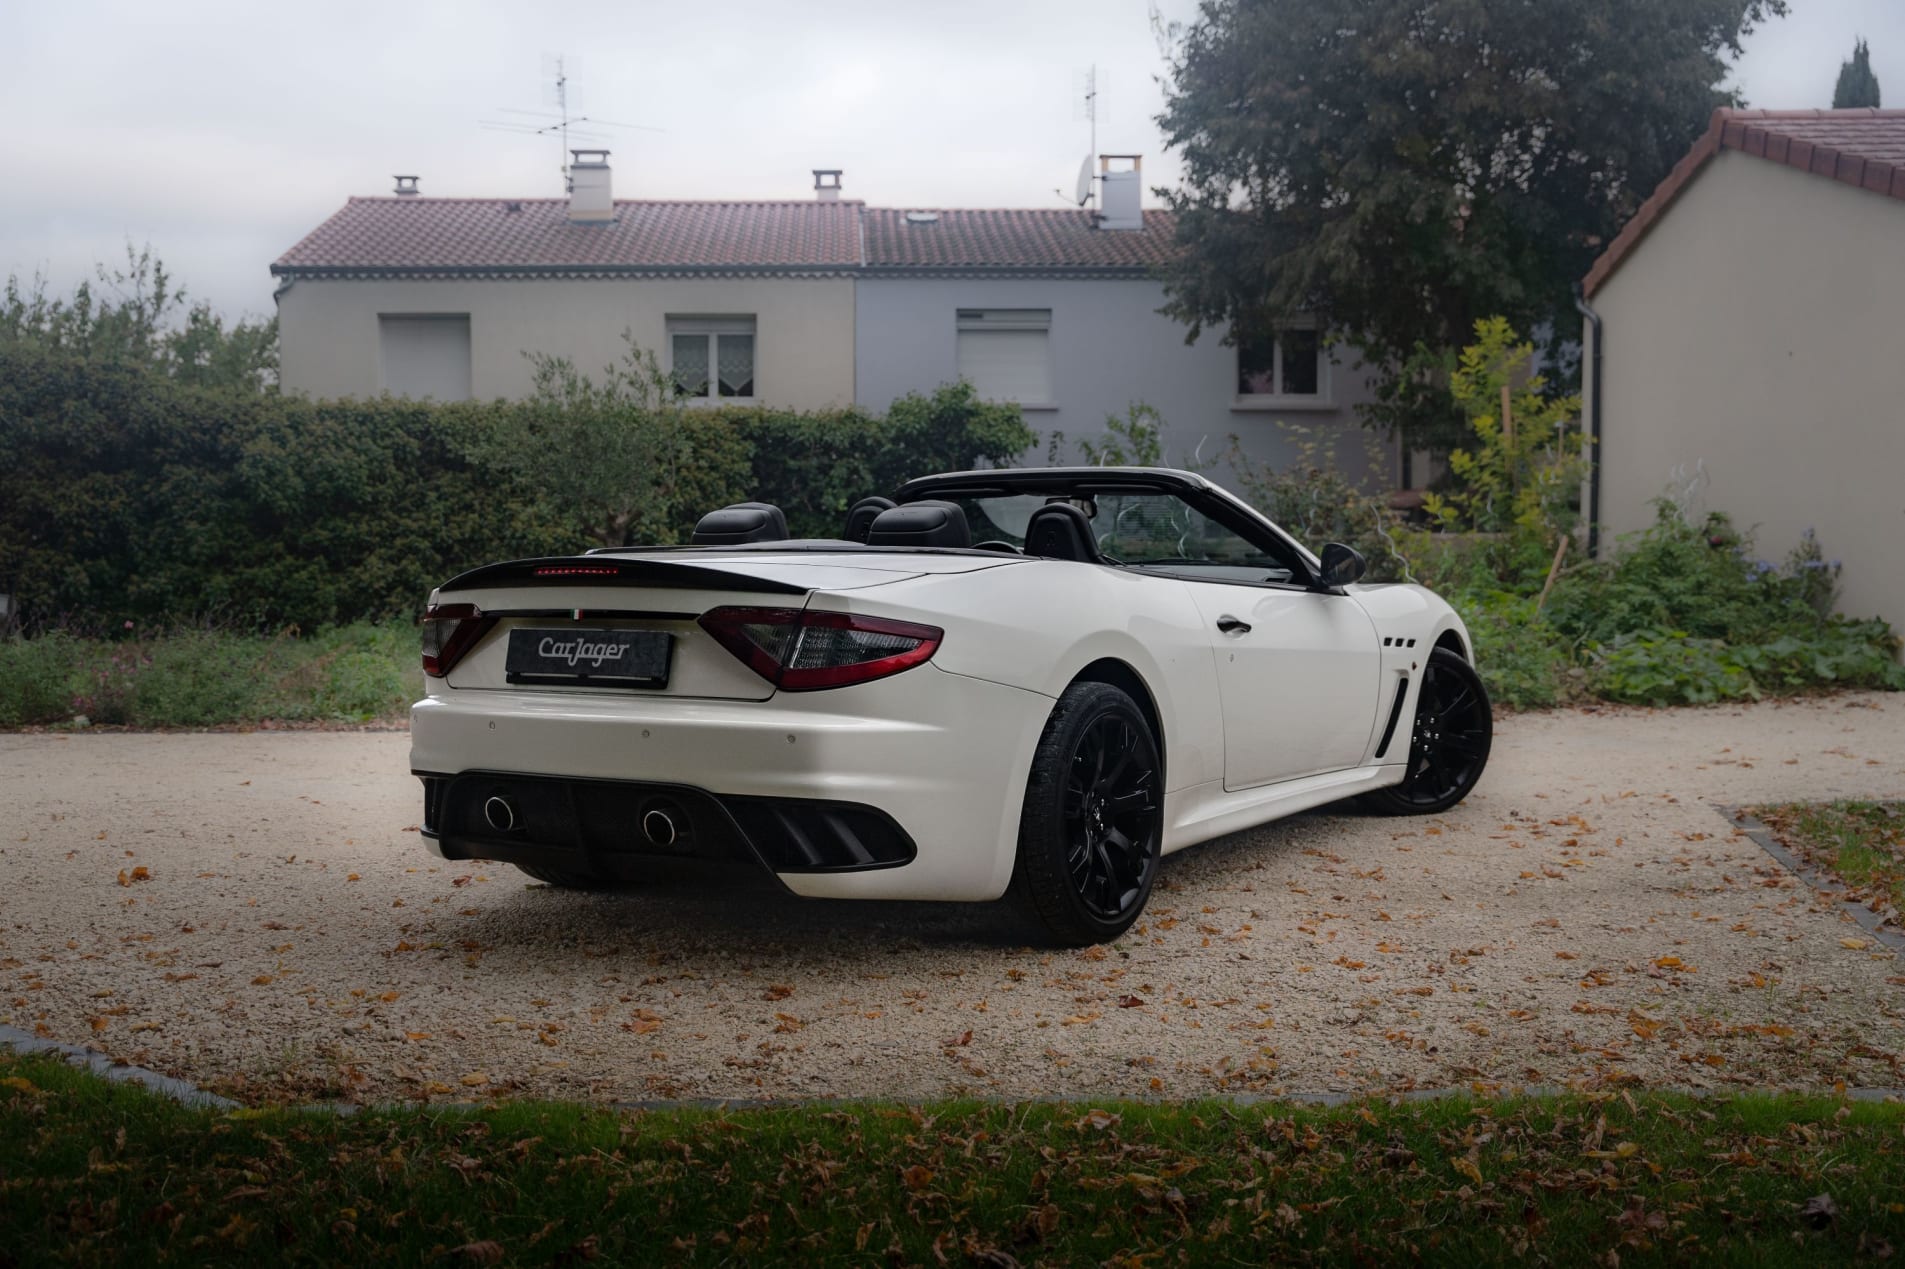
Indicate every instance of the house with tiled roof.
{"type": "Point", "coordinates": [1744, 338]}
{"type": "Point", "coordinates": [1058, 309]}
{"type": "Point", "coordinates": [443, 297]}
{"type": "Point", "coordinates": [803, 303]}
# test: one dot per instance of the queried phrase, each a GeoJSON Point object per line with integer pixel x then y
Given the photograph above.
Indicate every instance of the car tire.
{"type": "Point", "coordinates": [1448, 743]}
{"type": "Point", "coordinates": [1092, 824]}
{"type": "Point", "coordinates": [563, 878]}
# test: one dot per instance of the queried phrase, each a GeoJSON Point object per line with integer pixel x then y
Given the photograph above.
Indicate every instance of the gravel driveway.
{"type": "Point", "coordinates": [250, 912]}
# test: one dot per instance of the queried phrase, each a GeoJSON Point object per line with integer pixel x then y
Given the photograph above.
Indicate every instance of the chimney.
{"type": "Point", "coordinates": [590, 200]}
{"type": "Point", "coordinates": [406, 187]}
{"type": "Point", "coordinates": [827, 184]}
{"type": "Point", "coordinates": [1121, 192]}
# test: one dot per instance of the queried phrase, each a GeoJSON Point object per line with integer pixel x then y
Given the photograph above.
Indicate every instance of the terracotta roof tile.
{"type": "Point", "coordinates": [1863, 148]}
{"type": "Point", "coordinates": [532, 234]}
{"type": "Point", "coordinates": [1006, 238]}
{"type": "Point", "coordinates": [510, 236]}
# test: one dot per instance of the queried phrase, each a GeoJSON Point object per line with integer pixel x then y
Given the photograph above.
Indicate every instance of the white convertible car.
{"type": "Point", "coordinates": [1035, 681]}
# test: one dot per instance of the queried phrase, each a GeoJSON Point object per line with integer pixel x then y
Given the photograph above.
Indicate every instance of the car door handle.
{"type": "Point", "coordinates": [1230, 625]}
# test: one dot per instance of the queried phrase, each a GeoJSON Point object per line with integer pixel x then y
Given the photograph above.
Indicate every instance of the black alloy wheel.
{"type": "Point", "coordinates": [1092, 826]}
{"type": "Point", "coordinates": [1449, 746]}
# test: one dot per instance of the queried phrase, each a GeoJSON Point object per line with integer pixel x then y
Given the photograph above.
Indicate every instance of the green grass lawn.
{"type": "Point", "coordinates": [95, 1173]}
{"type": "Point", "coordinates": [1860, 843]}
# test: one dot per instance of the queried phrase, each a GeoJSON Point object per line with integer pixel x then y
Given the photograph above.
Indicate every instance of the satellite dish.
{"type": "Point", "coordinates": [1083, 192]}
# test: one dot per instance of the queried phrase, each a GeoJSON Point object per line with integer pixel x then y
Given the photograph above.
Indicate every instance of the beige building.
{"type": "Point", "coordinates": [443, 297]}
{"type": "Point", "coordinates": [1752, 342]}
{"type": "Point", "coordinates": [808, 304]}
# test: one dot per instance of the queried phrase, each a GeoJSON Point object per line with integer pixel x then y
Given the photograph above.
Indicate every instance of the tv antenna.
{"type": "Point", "coordinates": [559, 123]}
{"type": "Point", "coordinates": [1087, 106]}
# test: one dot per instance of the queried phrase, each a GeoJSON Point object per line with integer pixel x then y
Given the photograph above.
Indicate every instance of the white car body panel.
{"type": "Point", "coordinates": [1252, 726]}
{"type": "Point", "coordinates": [1298, 686]}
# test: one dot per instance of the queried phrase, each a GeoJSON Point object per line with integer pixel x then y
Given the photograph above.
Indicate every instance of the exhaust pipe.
{"type": "Point", "coordinates": [658, 826]}
{"type": "Point", "coordinates": [500, 814]}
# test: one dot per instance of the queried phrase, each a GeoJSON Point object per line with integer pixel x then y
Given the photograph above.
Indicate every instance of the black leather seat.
{"type": "Point", "coordinates": [742, 522]}
{"type": "Point", "coordinates": [862, 514]}
{"type": "Point", "coordinates": [921, 524]}
{"type": "Point", "coordinates": [1060, 531]}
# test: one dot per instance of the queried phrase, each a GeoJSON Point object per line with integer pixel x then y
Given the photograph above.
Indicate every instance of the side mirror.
{"type": "Point", "coordinates": [1342, 564]}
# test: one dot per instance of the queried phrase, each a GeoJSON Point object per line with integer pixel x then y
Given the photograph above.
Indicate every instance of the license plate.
{"type": "Point", "coordinates": [596, 658]}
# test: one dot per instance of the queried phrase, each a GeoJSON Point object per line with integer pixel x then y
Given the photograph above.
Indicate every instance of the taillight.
{"type": "Point", "coordinates": [449, 631]}
{"type": "Point", "coordinates": [800, 651]}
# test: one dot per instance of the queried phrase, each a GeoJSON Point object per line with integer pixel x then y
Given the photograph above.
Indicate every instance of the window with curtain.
{"type": "Point", "coordinates": [711, 358]}
{"type": "Point", "coordinates": [1006, 353]}
{"type": "Point", "coordinates": [1288, 364]}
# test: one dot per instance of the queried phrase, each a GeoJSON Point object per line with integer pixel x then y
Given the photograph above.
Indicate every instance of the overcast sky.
{"type": "Point", "coordinates": [222, 132]}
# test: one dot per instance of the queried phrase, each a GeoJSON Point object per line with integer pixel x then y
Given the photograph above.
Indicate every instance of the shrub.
{"type": "Point", "coordinates": [1525, 467]}
{"type": "Point", "coordinates": [1686, 614]}
{"type": "Point", "coordinates": [1524, 663]}
{"type": "Point", "coordinates": [365, 672]}
{"type": "Point", "coordinates": [127, 495]}
{"type": "Point", "coordinates": [196, 679]}
{"type": "Point", "coordinates": [1315, 502]}
{"type": "Point", "coordinates": [37, 679]}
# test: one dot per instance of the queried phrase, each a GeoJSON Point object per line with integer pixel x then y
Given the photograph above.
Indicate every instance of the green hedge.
{"type": "Point", "coordinates": [128, 497]}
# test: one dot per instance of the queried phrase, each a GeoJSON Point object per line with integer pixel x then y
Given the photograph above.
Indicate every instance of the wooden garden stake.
{"type": "Point", "coordinates": [1554, 570]}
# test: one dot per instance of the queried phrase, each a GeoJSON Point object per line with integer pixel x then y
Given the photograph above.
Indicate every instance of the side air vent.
{"type": "Point", "coordinates": [801, 836]}
{"type": "Point", "coordinates": [1395, 715]}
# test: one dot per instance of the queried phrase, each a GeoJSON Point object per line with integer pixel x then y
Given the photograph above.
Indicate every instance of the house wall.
{"type": "Point", "coordinates": [1759, 330]}
{"type": "Point", "coordinates": [328, 330]}
{"type": "Point", "coordinates": [1110, 347]}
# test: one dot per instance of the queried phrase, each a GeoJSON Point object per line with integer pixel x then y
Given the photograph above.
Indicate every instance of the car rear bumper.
{"type": "Point", "coordinates": [940, 756]}
{"type": "Point", "coordinates": [614, 828]}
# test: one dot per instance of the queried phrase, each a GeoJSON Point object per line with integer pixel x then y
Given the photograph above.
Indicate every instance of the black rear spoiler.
{"type": "Point", "coordinates": [596, 570]}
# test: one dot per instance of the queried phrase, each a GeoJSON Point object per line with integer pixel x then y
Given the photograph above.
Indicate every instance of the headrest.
{"type": "Point", "coordinates": [742, 522]}
{"type": "Point", "coordinates": [1060, 531]}
{"type": "Point", "coordinates": [921, 524]}
{"type": "Point", "coordinates": [861, 515]}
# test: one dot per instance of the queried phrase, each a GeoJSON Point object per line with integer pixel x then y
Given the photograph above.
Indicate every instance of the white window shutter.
{"type": "Point", "coordinates": [1006, 354]}
{"type": "Point", "coordinates": [426, 357]}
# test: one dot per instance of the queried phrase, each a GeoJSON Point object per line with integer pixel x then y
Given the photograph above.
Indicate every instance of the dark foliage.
{"type": "Point", "coordinates": [1407, 167]}
{"type": "Point", "coordinates": [1857, 85]}
{"type": "Point", "coordinates": [126, 494]}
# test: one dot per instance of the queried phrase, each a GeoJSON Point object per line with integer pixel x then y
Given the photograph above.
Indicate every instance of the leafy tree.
{"type": "Point", "coordinates": [135, 316]}
{"type": "Point", "coordinates": [1523, 472]}
{"type": "Point", "coordinates": [1857, 86]}
{"type": "Point", "coordinates": [1408, 167]}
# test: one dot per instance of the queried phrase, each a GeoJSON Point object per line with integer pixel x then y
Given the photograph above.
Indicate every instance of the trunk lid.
{"type": "Point", "coordinates": [547, 602]}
